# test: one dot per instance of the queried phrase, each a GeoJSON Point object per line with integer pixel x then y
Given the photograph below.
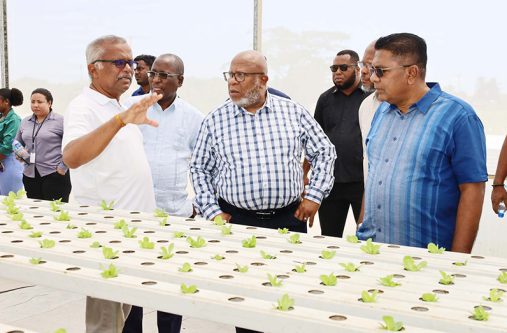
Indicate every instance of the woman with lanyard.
{"type": "Point", "coordinates": [10, 170]}
{"type": "Point", "coordinates": [45, 176]}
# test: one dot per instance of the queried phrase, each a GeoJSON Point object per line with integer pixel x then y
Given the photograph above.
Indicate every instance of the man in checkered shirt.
{"type": "Point", "coordinates": [246, 166]}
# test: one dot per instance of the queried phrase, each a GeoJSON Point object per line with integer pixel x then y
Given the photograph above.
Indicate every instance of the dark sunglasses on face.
{"type": "Point", "coordinates": [161, 75]}
{"type": "Point", "coordinates": [342, 67]}
{"type": "Point", "coordinates": [120, 63]}
{"type": "Point", "coordinates": [379, 71]}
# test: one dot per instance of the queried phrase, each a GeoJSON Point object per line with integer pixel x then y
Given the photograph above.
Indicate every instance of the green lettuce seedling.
{"type": "Point", "coordinates": [25, 225]}
{"type": "Point", "coordinates": [179, 234]}
{"type": "Point", "coordinates": [8, 202]}
{"type": "Point", "coordinates": [64, 216]}
{"type": "Point", "coordinates": [95, 245]}
{"type": "Point", "coordinates": [110, 272]}
{"type": "Point", "coordinates": [60, 330]}
{"type": "Point", "coordinates": [266, 255]}
{"type": "Point", "coordinates": [167, 252]}
{"type": "Point", "coordinates": [495, 295]}
{"type": "Point", "coordinates": [446, 278]}
{"type": "Point", "coordinates": [275, 282]}
{"type": "Point", "coordinates": [388, 281]}
{"type": "Point", "coordinates": [47, 243]}
{"type": "Point", "coordinates": [352, 239]}
{"type": "Point", "coordinates": [429, 297]}
{"type": "Point", "coordinates": [218, 220]}
{"type": "Point", "coordinates": [433, 248]}
{"type": "Point", "coordinates": [285, 303]}
{"type": "Point", "coordinates": [35, 234]}
{"type": "Point", "coordinates": [226, 230]}
{"type": "Point", "coordinates": [370, 248]}
{"type": "Point", "coordinates": [108, 253]}
{"type": "Point", "coordinates": [461, 263]}
{"type": "Point", "coordinates": [191, 289]}
{"type": "Point", "coordinates": [17, 195]}
{"type": "Point", "coordinates": [84, 234]}
{"type": "Point", "coordinates": [300, 268]}
{"type": "Point", "coordinates": [366, 297]}
{"type": "Point", "coordinates": [350, 267]}
{"type": "Point", "coordinates": [160, 213]}
{"type": "Point", "coordinates": [480, 314]}
{"type": "Point", "coordinates": [502, 278]}
{"type": "Point", "coordinates": [35, 261]}
{"type": "Point", "coordinates": [218, 257]}
{"type": "Point", "coordinates": [325, 254]}
{"type": "Point", "coordinates": [70, 226]}
{"type": "Point", "coordinates": [283, 231]}
{"type": "Point", "coordinates": [249, 242]}
{"type": "Point", "coordinates": [163, 222]}
{"type": "Point", "coordinates": [129, 233]}
{"type": "Point", "coordinates": [120, 224]}
{"type": "Point", "coordinates": [197, 243]}
{"type": "Point", "coordinates": [12, 210]}
{"type": "Point", "coordinates": [186, 268]}
{"type": "Point", "coordinates": [410, 265]}
{"type": "Point", "coordinates": [54, 205]}
{"type": "Point", "coordinates": [146, 244]}
{"type": "Point", "coordinates": [391, 325]}
{"type": "Point", "coordinates": [242, 269]}
{"type": "Point", "coordinates": [17, 217]}
{"type": "Point", "coordinates": [294, 239]}
{"type": "Point", "coordinates": [328, 280]}
{"type": "Point", "coordinates": [106, 206]}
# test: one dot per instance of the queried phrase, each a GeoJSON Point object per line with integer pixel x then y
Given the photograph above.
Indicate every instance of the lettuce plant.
{"type": "Point", "coordinates": [167, 252]}
{"type": "Point", "coordinates": [429, 297]}
{"type": "Point", "coordinates": [285, 303]}
{"type": "Point", "coordinates": [446, 278]}
{"type": "Point", "coordinates": [179, 234]}
{"type": "Point", "coordinates": [283, 231]}
{"type": "Point", "coordinates": [12, 210]}
{"type": "Point", "coordinates": [95, 245]}
{"type": "Point", "coordinates": [300, 268]}
{"type": "Point", "coordinates": [242, 269]}
{"type": "Point", "coordinates": [350, 267]}
{"type": "Point", "coordinates": [352, 239]}
{"type": "Point", "coordinates": [370, 248]}
{"type": "Point", "coordinates": [434, 249]}
{"type": "Point", "coordinates": [35, 234]}
{"type": "Point", "coordinates": [391, 325]}
{"type": "Point", "coordinates": [226, 230]}
{"type": "Point", "coordinates": [146, 244]}
{"type": "Point", "coordinates": [129, 233]}
{"type": "Point", "coordinates": [495, 295]}
{"type": "Point", "coordinates": [110, 272]}
{"type": "Point", "coordinates": [60, 330]}
{"type": "Point", "coordinates": [388, 281]}
{"type": "Point", "coordinates": [186, 268]}
{"type": "Point", "coordinates": [461, 263]}
{"type": "Point", "coordinates": [70, 226]}
{"type": "Point", "coordinates": [274, 280]}
{"type": "Point", "coordinates": [8, 201]}
{"type": "Point", "coordinates": [54, 205]}
{"type": "Point", "coordinates": [64, 216]}
{"type": "Point", "coordinates": [294, 239]}
{"type": "Point", "coordinates": [17, 195]}
{"type": "Point", "coordinates": [191, 289]}
{"type": "Point", "coordinates": [25, 225]}
{"type": "Point", "coordinates": [410, 265]}
{"type": "Point", "coordinates": [35, 261]}
{"type": "Point", "coordinates": [366, 297]}
{"type": "Point", "coordinates": [106, 206]}
{"type": "Point", "coordinates": [480, 314]}
{"type": "Point", "coordinates": [163, 222]}
{"type": "Point", "coordinates": [502, 278]}
{"type": "Point", "coordinates": [47, 243]}
{"type": "Point", "coordinates": [325, 254]}
{"type": "Point", "coordinates": [249, 242]}
{"type": "Point", "coordinates": [160, 213]}
{"type": "Point", "coordinates": [219, 221]}
{"type": "Point", "coordinates": [196, 243]}
{"type": "Point", "coordinates": [108, 253]}
{"type": "Point", "coordinates": [328, 280]}
{"type": "Point", "coordinates": [266, 255]}
{"type": "Point", "coordinates": [218, 257]}
{"type": "Point", "coordinates": [17, 217]}
{"type": "Point", "coordinates": [120, 224]}
{"type": "Point", "coordinates": [84, 233]}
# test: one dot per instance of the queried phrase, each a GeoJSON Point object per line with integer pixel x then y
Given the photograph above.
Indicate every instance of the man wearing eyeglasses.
{"type": "Point", "coordinates": [144, 62]}
{"type": "Point", "coordinates": [427, 155]}
{"type": "Point", "coordinates": [168, 148]}
{"type": "Point", "coordinates": [107, 152]}
{"type": "Point", "coordinates": [337, 112]}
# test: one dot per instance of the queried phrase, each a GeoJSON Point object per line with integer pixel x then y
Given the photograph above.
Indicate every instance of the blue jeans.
{"type": "Point", "coordinates": [11, 178]}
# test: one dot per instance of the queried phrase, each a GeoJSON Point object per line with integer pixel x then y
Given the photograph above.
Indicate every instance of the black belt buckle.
{"type": "Point", "coordinates": [265, 215]}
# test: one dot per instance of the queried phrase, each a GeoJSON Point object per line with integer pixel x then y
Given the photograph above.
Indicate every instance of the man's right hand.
{"type": "Point", "coordinates": [136, 114]}
{"type": "Point", "coordinates": [226, 217]}
{"type": "Point", "coordinates": [498, 195]}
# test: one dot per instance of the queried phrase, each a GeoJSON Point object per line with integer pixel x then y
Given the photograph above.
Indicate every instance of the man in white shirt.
{"type": "Point", "coordinates": [168, 148]}
{"type": "Point", "coordinates": [106, 150]}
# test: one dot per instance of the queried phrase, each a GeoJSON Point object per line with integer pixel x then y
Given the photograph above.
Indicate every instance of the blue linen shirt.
{"type": "Point", "coordinates": [168, 148]}
{"type": "Point", "coordinates": [253, 160]}
{"type": "Point", "coordinates": [417, 161]}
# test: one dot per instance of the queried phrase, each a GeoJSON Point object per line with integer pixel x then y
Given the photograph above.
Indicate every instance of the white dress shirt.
{"type": "Point", "coordinates": [366, 112]}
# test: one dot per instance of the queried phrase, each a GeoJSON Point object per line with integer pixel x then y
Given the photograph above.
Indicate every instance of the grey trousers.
{"type": "Point", "coordinates": [105, 316]}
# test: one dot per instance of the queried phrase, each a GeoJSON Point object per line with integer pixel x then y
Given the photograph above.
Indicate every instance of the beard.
{"type": "Point", "coordinates": [251, 97]}
{"type": "Point", "coordinates": [347, 84]}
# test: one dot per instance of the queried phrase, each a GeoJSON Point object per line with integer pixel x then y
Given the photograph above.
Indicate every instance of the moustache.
{"type": "Point", "coordinates": [125, 77]}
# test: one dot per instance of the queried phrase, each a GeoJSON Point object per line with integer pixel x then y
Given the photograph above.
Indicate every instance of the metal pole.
{"type": "Point", "coordinates": [257, 33]}
{"type": "Point", "coordinates": [4, 50]}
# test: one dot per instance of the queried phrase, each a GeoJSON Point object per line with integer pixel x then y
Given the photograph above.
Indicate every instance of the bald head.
{"type": "Point", "coordinates": [253, 59]}
{"type": "Point", "coordinates": [365, 71]}
{"type": "Point", "coordinates": [173, 60]}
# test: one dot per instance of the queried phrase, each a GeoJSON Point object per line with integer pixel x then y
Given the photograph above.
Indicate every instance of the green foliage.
{"type": "Point", "coordinates": [502, 278]}
{"type": "Point", "coordinates": [17, 195]}
{"type": "Point", "coordinates": [285, 303]}
{"type": "Point", "coordinates": [95, 245]}
{"type": "Point", "coordinates": [129, 233]}
{"type": "Point", "coordinates": [120, 224]}
{"type": "Point", "coordinates": [370, 248]}
{"type": "Point", "coordinates": [17, 217]}
{"type": "Point", "coordinates": [8, 201]}
{"type": "Point", "coordinates": [326, 254]}
{"type": "Point", "coordinates": [167, 252]}
{"type": "Point", "coordinates": [480, 314]}
{"type": "Point", "coordinates": [179, 234]}
{"type": "Point", "coordinates": [35, 234]}
{"type": "Point", "coordinates": [388, 281]}
{"type": "Point", "coordinates": [242, 269]}
{"type": "Point", "coordinates": [106, 206]}
{"type": "Point", "coordinates": [391, 325]}
{"type": "Point", "coordinates": [163, 222]}
{"type": "Point", "coordinates": [60, 330]}
{"type": "Point", "coordinates": [35, 261]}
{"type": "Point", "coordinates": [429, 297]}
{"type": "Point", "coordinates": [191, 289]}
{"type": "Point", "coordinates": [84, 234]}
{"type": "Point", "coordinates": [64, 216]}
{"type": "Point", "coordinates": [283, 231]}
{"type": "Point", "coordinates": [54, 205]}
{"type": "Point", "coordinates": [274, 280]}
{"type": "Point", "coordinates": [367, 297]}
{"type": "Point", "coordinates": [328, 280]}
{"type": "Point", "coordinates": [300, 268]}
{"type": "Point", "coordinates": [218, 220]}
{"type": "Point", "coordinates": [433, 248]}
{"type": "Point", "coordinates": [197, 243]}
{"type": "Point", "coordinates": [25, 225]}
{"type": "Point", "coordinates": [410, 265]}
{"type": "Point", "coordinates": [294, 239]}
{"type": "Point", "coordinates": [108, 253]}
{"type": "Point", "coordinates": [350, 267]}
{"type": "Point", "coordinates": [146, 244]}
{"type": "Point", "coordinates": [446, 278]}
{"type": "Point", "coordinates": [12, 210]}
{"type": "Point", "coordinates": [266, 255]}
{"type": "Point", "coordinates": [110, 272]}
{"type": "Point", "coordinates": [218, 257]}
{"type": "Point", "coordinates": [226, 230]}
{"type": "Point", "coordinates": [249, 242]}
{"type": "Point", "coordinates": [160, 213]}
{"type": "Point", "coordinates": [47, 243]}
{"type": "Point", "coordinates": [70, 226]}
{"type": "Point", "coordinates": [186, 268]}
{"type": "Point", "coordinates": [495, 295]}
{"type": "Point", "coordinates": [352, 239]}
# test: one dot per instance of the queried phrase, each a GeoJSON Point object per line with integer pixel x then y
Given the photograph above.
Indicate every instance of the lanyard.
{"type": "Point", "coordinates": [34, 134]}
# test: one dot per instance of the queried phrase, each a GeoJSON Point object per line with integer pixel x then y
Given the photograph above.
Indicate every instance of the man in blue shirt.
{"type": "Point", "coordinates": [427, 155]}
{"type": "Point", "coordinates": [144, 63]}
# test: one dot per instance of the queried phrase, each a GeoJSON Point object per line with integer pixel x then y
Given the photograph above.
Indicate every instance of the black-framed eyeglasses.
{"type": "Point", "coordinates": [161, 75]}
{"type": "Point", "coordinates": [342, 67]}
{"type": "Point", "coordinates": [119, 63]}
{"type": "Point", "coordinates": [379, 71]}
{"type": "Point", "coordinates": [239, 76]}
{"type": "Point", "coordinates": [363, 64]}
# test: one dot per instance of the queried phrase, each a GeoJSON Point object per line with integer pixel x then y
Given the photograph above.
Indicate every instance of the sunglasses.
{"type": "Point", "coordinates": [380, 71]}
{"type": "Point", "coordinates": [161, 75]}
{"type": "Point", "coordinates": [120, 63]}
{"type": "Point", "coordinates": [342, 67]}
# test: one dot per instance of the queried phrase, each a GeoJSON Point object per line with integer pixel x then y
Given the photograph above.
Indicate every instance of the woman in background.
{"type": "Point", "coordinates": [10, 169]}
{"type": "Point", "coordinates": [46, 176]}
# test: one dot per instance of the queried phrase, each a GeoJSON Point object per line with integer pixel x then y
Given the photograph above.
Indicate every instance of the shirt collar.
{"type": "Point", "coordinates": [425, 102]}
{"type": "Point", "coordinates": [171, 107]}
{"type": "Point", "coordinates": [99, 98]}
{"type": "Point", "coordinates": [50, 116]}
{"type": "Point", "coordinates": [268, 105]}
{"type": "Point", "coordinates": [358, 88]}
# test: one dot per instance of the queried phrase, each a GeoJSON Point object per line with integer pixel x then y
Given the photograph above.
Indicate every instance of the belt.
{"type": "Point", "coordinates": [261, 214]}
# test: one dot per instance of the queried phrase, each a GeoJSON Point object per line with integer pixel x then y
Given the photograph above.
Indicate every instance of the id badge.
{"type": "Point", "coordinates": [32, 158]}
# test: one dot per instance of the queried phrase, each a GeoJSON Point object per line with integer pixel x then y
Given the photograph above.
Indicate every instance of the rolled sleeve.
{"type": "Point", "coordinates": [10, 128]}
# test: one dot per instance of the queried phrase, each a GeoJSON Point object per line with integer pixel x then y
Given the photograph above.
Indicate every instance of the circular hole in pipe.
{"type": "Point", "coordinates": [338, 317]}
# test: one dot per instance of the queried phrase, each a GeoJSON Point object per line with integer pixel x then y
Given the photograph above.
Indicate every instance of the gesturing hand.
{"type": "Point", "coordinates": [136, 114]}
{"type": "Point", "coordinates": [307, 210]}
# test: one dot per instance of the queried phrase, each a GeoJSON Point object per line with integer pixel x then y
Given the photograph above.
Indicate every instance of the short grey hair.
{"type": "Point", "coordinates": [95, 49]}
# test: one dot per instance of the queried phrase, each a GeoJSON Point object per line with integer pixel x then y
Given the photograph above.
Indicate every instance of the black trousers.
{"type": "Point", "coordinates": [166, 322]}
{"type": "Point", "coordinates": [334, 209]}
{"type": "Point", "coordinates": [50, 187]}
{"type": "Point", "coordinates": [282, 220]}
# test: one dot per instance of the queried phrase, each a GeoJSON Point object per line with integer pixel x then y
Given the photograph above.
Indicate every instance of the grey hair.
{"type": "Point", "coordinates": [95, 49]}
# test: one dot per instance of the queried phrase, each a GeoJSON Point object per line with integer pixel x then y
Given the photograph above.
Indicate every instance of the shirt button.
{"type": "Point", "coordinates": [379, 206]}
{"type": "Point", "coordinates": [380, 182]}
{"type": "Point", "coordinates": [402, 117]}
{"type": "Point", "coordinates": [387, 160]}
{"type": "Point", "coordinates": [379, 229]}
{"type": "Point", "coordinates": [395, 138]}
